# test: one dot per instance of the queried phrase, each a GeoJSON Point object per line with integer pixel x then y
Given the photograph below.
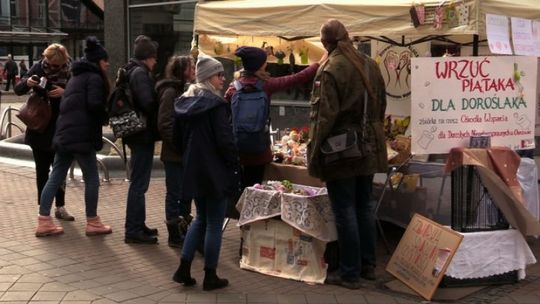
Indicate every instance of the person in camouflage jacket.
{"type": "Point", "coordinates": [337, 105]}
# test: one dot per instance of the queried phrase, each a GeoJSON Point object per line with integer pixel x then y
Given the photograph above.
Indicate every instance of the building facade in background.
{"type": "Point", "coordinates": [170, 23]}
{"type": "Point", "coordinates": [28, 26]}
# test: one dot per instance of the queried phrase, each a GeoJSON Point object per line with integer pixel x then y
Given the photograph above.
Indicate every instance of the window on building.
{"type": "Point", "coordinates": [133, 2]}
{"type": "Point", "coordinates": [54, 13]}
{"type": "Point", "coordinates": [71, 12]}
{"type": "Point", "coordinates": [4, 13]}
{"type": "Point", "coordinates": [170, 25]}
{"type": "Point", "coordinates": [89, 20]}
{"type": "Point", "coordinates": [38, 13]}
{"type": "Point", "coordinates": [19, 13]}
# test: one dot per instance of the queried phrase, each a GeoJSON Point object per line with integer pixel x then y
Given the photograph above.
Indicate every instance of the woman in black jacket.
{"type": "Point", "coordinates": [180, 70]}
{"type": "Point", "coordinates": [210, 162]}
{"type": "Point", "coordinates": [78, 136]}
{"type": "Point", "coordinates": [55, 68]}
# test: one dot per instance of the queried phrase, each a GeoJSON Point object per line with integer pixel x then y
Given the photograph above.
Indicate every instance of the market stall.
{"type": "Point", "coordinates": [396, 31]}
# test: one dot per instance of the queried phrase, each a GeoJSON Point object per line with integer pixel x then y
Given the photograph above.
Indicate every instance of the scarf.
{"type": "Point", "coordinates": [58, 77]}
{"type": "Point", "coordinates": [197, 88]}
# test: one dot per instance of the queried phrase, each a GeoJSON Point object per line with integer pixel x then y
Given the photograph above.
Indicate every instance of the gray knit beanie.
{"type": "Point", "coordinates": [207, 67]}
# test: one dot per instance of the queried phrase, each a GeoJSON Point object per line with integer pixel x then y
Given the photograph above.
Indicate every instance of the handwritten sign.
{"type": "Point", "coordinates": [423, 254]}
{"type": "Point", "coordinates": [395, 65]}
{"type": "Point", "coordinates": [522, 37]}
{"type": "Point", "coordinates": [454, 98]}
{"type": "Point", "coordinates": [497, 33]}
{"type": "Point", "coordinates": [536, 37]}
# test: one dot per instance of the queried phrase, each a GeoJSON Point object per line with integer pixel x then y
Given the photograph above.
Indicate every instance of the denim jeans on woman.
{"type": "Point", "coordinates": [142, 157]}
{"type": "Point", "coordinates": [207, 225]}
{"type": "Point", "coordinates": [60, 167]}
{"type": "Point", "coordinates": [355, 222]}
{"type": "Point", "coordinates": [175, 206]}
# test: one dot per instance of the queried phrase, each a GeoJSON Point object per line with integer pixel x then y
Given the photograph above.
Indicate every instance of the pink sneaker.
{"type": "Point", "coordinates": [94, 226]}
{"type": "Point", "coordinates": [46, 227]}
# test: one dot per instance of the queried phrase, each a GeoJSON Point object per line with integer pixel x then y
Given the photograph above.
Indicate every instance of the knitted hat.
{"type": "Point", "coordinates": [207, 67]}
{"type": "Point", "coordinates": [144, 48]}
{"type": "Point", "coordinates": [94, 51]}
{"type": "Point", "coordinates": [253, 58]}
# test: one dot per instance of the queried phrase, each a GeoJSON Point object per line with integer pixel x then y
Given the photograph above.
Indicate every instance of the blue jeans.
{"type": "Point", "coordinates": [61, 164]}
{"type": "Point", "coordinates": [355, 223]}
{"type": "Point", "coordinates": [174, 205]}
{"type": "Point", "coordinates": [142, 157]}
{"type": "Point", "coordinates": [207, 226]}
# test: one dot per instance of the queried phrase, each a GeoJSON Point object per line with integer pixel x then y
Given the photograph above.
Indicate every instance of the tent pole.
{"type": "Point", "coordinates": [475, 45]}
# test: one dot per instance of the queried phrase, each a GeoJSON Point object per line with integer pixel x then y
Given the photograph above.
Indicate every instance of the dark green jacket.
{"type": "Point", "coordinates": [337, 103]}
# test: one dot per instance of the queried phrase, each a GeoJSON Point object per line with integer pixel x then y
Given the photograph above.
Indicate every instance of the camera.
{"type": "Point", "coordinates": [42, 83]}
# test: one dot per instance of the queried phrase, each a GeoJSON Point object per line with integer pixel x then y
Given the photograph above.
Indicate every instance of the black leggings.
{"type": "Point", "coordinates": [43, 160]}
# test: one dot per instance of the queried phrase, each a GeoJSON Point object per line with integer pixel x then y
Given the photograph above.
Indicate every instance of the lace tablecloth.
{"type": "Point", "coordinates": [310, 214]}
{"type": "Point", "coordinates": [483, 254]}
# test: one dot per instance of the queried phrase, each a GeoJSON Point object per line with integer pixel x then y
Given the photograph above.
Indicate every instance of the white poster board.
{"type": "Point", "coordinates": [395, 65]}
{"type": "Point", "coordinates": [537, 124]}
{"type": "Point", "coordinates": [522, 37]}
{"type": "Point", "coordinates": [498, 35]}
{"type": "Point", "coordinates": [536, 37]}
{"type": "Point", "coordinates": [454, 98]}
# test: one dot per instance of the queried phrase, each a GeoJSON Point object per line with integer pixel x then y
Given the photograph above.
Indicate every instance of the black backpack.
{"type": "Point", "coordinates": [123, 118]}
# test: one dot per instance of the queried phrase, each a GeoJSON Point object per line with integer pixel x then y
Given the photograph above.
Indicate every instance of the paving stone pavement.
{"type": "Point", "coordinates": [74, 268]}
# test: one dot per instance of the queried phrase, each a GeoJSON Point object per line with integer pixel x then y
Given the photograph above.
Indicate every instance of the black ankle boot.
{"type": "Point", "coordinates": [211, 280]}
{"type": "Point", "coordinates": [183, 274]}
{"type": "Point", "coordinates": [175, 237]}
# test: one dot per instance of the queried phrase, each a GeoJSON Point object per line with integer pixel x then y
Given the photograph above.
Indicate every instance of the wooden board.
{"type": "Point", "coordinates": [423, 254]}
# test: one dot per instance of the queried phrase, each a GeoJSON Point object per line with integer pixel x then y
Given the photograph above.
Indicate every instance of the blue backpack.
{"type": "Point", "coordinates": [250, 117]}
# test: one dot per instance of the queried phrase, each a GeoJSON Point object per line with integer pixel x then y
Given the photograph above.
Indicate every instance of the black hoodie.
{"type": "Point", "coordinates": [210, 158]}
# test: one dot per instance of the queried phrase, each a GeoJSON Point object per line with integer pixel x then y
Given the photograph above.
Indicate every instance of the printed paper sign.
{"type": "Point", "coordinates": [522, 37]}
{"type": "Point", "coordinates": [454, 98]}
{"type": "Point", "coordinates": [498, 34]}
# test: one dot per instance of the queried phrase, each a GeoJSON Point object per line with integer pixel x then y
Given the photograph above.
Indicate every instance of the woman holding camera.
{"type": "Point", "coordinates": [52, 72]}
{"type": "Point", "coordinates": [78, 136]}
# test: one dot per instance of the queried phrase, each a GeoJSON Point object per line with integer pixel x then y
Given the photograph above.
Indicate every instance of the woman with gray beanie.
{"type": "Point", "coordinates": [204, 135]}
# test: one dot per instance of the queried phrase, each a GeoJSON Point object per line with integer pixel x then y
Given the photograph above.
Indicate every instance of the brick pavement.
{"type": "Point", "coordinates": [73, 268]}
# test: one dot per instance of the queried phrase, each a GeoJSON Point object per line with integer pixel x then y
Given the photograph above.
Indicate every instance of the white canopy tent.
{"type": "Point", "coordinates": [380, 18]}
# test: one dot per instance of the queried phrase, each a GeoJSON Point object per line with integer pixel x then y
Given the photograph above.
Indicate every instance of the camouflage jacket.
{"type": "Point", "coordinates": [337, 104]}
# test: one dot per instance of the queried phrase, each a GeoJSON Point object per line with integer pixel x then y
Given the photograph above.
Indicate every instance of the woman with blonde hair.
{"type": "Point", "coordinates": [54, 67]}
{"type": "Point", "coordinates": [78, 136]}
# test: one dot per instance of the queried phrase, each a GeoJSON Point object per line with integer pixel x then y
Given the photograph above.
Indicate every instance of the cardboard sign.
{"type": "Point", "coordinates": [455, 98]}
{"type": "Point", "coordinates": [423, 254]}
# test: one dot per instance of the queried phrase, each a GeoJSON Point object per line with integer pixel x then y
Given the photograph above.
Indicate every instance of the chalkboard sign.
{"type": "Point", "coordinates": [423, 254]}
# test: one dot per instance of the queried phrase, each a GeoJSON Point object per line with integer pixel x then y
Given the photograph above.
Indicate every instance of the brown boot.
{"type": "Point", "coordinates": [94, 226]}
{"type": "Point", "coordinates": [46, 227]}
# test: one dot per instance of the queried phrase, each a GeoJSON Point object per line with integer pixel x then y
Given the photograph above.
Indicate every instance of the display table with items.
{"type": "Point", "coordinates": [293, 173]}
{"type": "Point", "coordinates": [285, 229]}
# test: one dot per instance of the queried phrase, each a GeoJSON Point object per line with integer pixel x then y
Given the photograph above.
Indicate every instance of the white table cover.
{"type": "Point", "coordinates": [528, 178]}
{"type": "Point", "coordinates": [483, 254]}
{"type": "Point", "coordinates": [310, 214]}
